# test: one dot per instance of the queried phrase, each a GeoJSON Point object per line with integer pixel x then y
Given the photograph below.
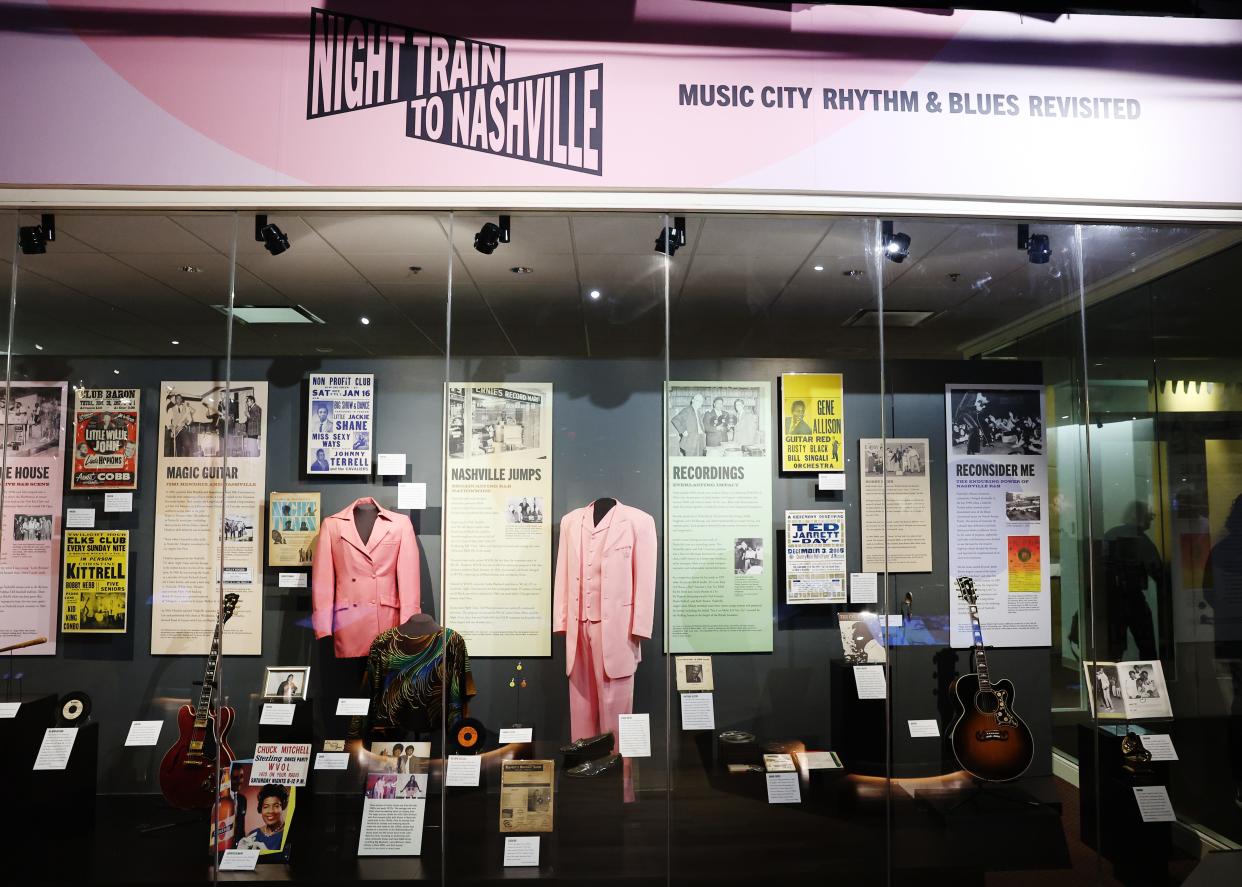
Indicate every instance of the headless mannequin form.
{"type": "Point", "coordinates": [419, 624]}
{"type": "Point", "coordinates": [602, 507]}
{"type": "Point", "coordinates": [365, 515]}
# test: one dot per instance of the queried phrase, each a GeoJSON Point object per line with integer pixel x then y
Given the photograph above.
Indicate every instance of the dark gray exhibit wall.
{"type": "Point", "coordinates": [608, 439]}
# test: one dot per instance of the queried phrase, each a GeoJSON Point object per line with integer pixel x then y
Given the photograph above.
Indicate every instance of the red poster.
{"type": "Point", "coordinates": [105, 439]}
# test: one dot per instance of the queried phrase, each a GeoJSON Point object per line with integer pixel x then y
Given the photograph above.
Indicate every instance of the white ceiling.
{"type": "Point", "coordinates": [113, 284]}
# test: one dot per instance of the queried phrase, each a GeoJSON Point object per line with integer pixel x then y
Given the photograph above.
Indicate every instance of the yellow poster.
{"type": "Point", "coordinates": [96, 582]}
{"type": "Point", "coordinates": [812, 422]}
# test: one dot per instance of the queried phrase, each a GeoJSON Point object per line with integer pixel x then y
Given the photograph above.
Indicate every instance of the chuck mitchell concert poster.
{"type": "Point", "coordinates": [105, 439]}
{"type": "Point", "coordinates": [498, 531]}
{"type": "Point", "coordinates": [34, 470]}
{"type": "Point", "coordinates": [201, 424]}
{"type": "Point", "coordinates": [338, 432]}
{"type": "Point", "coordinates": [998, 521]}
{"type": "Point", "coordinates": [719, 564]}
{"type": "Point", "coordinates": [812, 422]}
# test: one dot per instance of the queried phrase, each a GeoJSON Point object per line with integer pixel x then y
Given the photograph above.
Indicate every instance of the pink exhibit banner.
{"type": "Point", "coordinates": [640, 94]}
{"type": "Point", "coordinates": [33, 434]}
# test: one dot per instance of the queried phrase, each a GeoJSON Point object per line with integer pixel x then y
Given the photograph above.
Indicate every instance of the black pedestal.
{"type": "Point", "coordinates": [857, 725]}
{"type": "Point", "coordinates": [70, 793]}
{"type": "Point", "coordinates": [1139, 851]}
{"type": "Point", "coordinates": [20, 738]}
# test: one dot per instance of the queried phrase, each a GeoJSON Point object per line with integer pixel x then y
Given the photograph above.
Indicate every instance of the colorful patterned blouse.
{"type": "Point", "coordinates": [407, 679]}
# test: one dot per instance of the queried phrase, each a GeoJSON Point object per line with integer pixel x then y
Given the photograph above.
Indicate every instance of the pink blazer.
{"type": "Point", "coordinates": [627, 583]}
{"type": "Point", "coordinates": [361, 589]}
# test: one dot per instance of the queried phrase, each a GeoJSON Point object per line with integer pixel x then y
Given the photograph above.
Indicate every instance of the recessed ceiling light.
{"type": "Point", "coordinates": [819, 267]}
{"type": "Point", "coordinates": [116, 372]}
{"type": "Point", "coordinates": [594, 294]}
{"type": "Point", "coordinates": [521, 269]}
{"type": "Point", "coordinates": [364, 320]}
{"type": "Point", "coordinates": [176, 342]}
{"type": "Point", "coordinates": [191, 269]}
{"type": "Point", "coordinates": [38, 347]}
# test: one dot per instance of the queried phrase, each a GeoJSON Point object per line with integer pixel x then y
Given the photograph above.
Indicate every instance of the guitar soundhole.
{"type": "Point", "coordinates": [986, 702]}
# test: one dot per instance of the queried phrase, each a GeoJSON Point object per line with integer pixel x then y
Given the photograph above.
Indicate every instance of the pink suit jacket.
{"type": "Point", "coordinates": [361, 589]}
{"type": "Point", "coordinates": [627, 582]}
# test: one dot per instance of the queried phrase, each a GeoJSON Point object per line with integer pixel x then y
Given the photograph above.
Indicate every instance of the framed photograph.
{"type": "Point", "coordinates": [285, 683]}
{"type": "Point", "coordinates": [694, 673]}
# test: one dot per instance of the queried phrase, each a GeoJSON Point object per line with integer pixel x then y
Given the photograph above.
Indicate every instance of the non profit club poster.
{"type": "Point", "coordinates": [105, 439]}
{"type": "Point", "coordinates": [95, 597]}
{"type": "Point", "coordinates": [33, 437]}
{"type": "Point", "coordinates": [812, 422]}
{"type": "Point", "coordinates": [338, 431]}
{"type": "Point", "coordinates": [719, 481]}
{"type": "Point", "coordinates": [213, 443]}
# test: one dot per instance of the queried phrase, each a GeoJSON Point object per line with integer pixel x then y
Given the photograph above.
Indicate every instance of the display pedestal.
{"type": "Point", "coordinates": [20, 738]}
{"type": "Point", "coordinates": [857, 725]}
{"type": "Point", "coordinates": [1139, 851]}
{"type": "Point", "coordinates": [301, 730]}
{"type": "Point", "coordinates": [69, 793]}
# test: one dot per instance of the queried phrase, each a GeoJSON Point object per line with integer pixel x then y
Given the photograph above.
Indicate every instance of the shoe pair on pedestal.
{"type": "Point", "coordinates": [591, 756]}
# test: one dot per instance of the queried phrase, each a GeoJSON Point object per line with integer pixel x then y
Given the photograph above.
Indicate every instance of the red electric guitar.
{"type": "Point", "coordinates": [187, 773]}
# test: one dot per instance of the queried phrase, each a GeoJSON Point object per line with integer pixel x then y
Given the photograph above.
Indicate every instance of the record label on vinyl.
{"type": "Point", "coordinates": [75, 707]}
{"type": "Point", "coordinates": [469, 735]}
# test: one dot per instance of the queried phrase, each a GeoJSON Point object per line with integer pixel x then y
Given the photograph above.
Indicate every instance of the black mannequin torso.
{"type": "Point", "coordinates": [365, 515]}
{"type": "Point", "coordinates": [419, 624]}
{"type": "Point", "coordinates": [602, 507]}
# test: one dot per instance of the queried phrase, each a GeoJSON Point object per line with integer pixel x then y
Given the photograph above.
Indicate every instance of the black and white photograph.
{"type": "Point", "coordinates": [907, 459]}
{"type": "Point", "coordinates": [524, 510]}
{"type": "Point", "coordinates": [198, 422]}
{"type": "Point", "coordinates": [538, 799]}
{"type": "Point", "coordinates": [862, 638]}
{"type": "Point", "coordinates": [503, 420]}
{"type": "Point", "coordinates": [239, 528]}
{"type": "Point", "coordinates": [1138, 681]}
{"type": "Point", "coordinates": [997, 422]}
{"type": "Point", "coordinates": [285, 683]}
{"type": "Point", "coordinates": [748, 557]}
{"type": "Point", "coordinates": [717, 420]}
{"type": "Point", "coordinates": [1021, 507]}
{"type": "Point", "coordinates": [321, 417]}
{"type": "Point", "coordinates": [32, 527]}
{"type": "Point", "coordinates": [694, 673]}
{"type": "Point", "coordinates": [1105, 690]}
{"type": "Point", "coordinates": [102, 611]}
{"type": "Point", "coordinates": [31, 420]}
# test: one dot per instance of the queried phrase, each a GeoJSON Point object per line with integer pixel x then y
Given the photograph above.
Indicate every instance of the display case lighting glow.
{"type": "Point", "coordinates": [364, 320]}
{"type": "Point", "coordinates": [594, 294]}
{"type": "Point", "coordinates": [819, 267]}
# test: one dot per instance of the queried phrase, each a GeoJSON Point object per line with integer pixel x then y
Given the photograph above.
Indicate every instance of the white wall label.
{"type": "Point", "coordinates": [924, 727]}
{"type": "Point", "coordinates": [869, 680]}
{"type": "Point", "coordinates": [635, 741]}
{"type": "Point", "coordinates": [463, 770]}
{"type": "Point", "coordinates": [864, 588]}
{"type": "Point", "coordinates": [353, 705]}
{"type": "Point", "coordinates": [411, 496]}
{"type": "Point", "coordinates": [332, 760]}
{"type": "Point", "coordinates": [697, 711]}
{"type": "Point", "coordinates": [1154, 804]}
{"type": "Point", "coordinates": [118, 501]}
{"type": "Point", "coordinates": [828, 482]}
{"type": "Point", "coordinates": [292, 580]}
{"type": "Point", "coordinates": [143, 733]}
{"type": "Point", "coordinates": [517, 734]}
{"type": "Point", "coordinates": [783, 788]}
{"type": "Point", "coordinates": [9, 709]}
{"type": "Point", "coordinates": [56, 747]}
{"type": "Point", "coordinates": [1160, 745]}
{"type": "Point", "coordinates": [522, 851]}
{"type": "Point", "coordinates": [80, 518]}
{"type": "Point", "coordinates": [277, 713]}
{"type": "Point", "coordinates": [390, 464]}
{"type": "Point", "coordinates": [239, 860]}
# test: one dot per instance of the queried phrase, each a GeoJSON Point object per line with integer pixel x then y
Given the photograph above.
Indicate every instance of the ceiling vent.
{"type": "Point", "coordinates": [253, 314]}
{"type": "Point", "coordinates": [871, 317]}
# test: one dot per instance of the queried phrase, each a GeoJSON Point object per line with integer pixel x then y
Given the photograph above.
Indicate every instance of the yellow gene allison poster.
{"type": "Point", "coordinates": [96, 582]}
{"type": "Point", "coordinates": [812, 422]}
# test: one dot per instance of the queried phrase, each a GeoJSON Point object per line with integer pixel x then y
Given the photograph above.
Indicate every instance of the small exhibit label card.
{"type": "Point", "coordinates": [144, 733]}
{"type": "Point", "coordinates": [522, 851]}
{"type": "Point", "coordinates": [80, 518]}
{"type": "Point", "coordinates": [864, 588]}
{"type": "Point", "coordinates": [517, 734]}
{"type": "Point", "coordinates": [779, 763]}
{"type": "Point", "coordinates": [698, 712]}
{"type": "Point", "coordinates": [829, 482]}
{"type": "Point", "coordinates": [869, 679]}
{"type": "Point", "coordinates": [56, 747]}
{"type": "Point", "coordinates": [353, 705]}
{"type": "Point", "coordinates": [411, 496]}
{"type": "Point", "coordinates": [1154, 804]}
{"type": "Point", "coordinates": [463, 770]}
{"type": "Point", "coordinates": [118, 501]}
{"type": "Point", "coordinates": [635, 736]}
{"type": "Point", "coordinates": [819, 760]}
{"type": "Point", "coordinates": [9, 709]}
{"type": "Point", "coordinates": [277, 713]}
{"type": "Point", "coordinates": [292, 580]}
{"type": "Point", "coordinates": [925, 727]}
{"type": "Point", "coordinates": [1160, 745]}
{"type": "Point", "coordinates": [280, 763]}
{"type": "Point", "coordinates": [783, 788]}
{"type": "Point", "coordinates": [332, 760]}
{"type": "Point", "coordinates": [390, 463]}
{"type": "Point", "coordinates": [239, 860]}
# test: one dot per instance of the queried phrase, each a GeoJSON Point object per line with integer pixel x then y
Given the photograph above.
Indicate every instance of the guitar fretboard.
{"type": "Point", "coordinates": [981, 659]}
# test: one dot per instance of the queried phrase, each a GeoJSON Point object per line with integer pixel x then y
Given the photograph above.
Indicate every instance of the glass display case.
{"type": "Point", "coordinates": [619, 547]}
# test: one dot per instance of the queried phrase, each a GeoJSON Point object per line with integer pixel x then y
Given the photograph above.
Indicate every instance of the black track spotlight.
{"type": "Point", "coordinates": [273, 239]}
{"type": "Point", "coordinates": [672, 239]}
{"type": "Point", "coordinates": [491, 236]}
{"type": "Point", "coordinates": [896, 246]}
{"type": "Point", "coordinates": [33, 239]}
{"type": "Point", "coordinates": [1038, 249]}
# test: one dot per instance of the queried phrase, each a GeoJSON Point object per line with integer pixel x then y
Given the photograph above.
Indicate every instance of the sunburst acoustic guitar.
{"type": "Point", "coordinates": [989, 740]}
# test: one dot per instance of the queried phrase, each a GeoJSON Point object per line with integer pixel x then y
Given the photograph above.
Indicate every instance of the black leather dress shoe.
{"type": "Point", "coordinates": [591, 747]}
{"type": "Point", "coordinates": [595, 768]}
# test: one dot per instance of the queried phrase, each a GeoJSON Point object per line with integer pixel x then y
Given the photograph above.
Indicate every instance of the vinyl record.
{"type": "Point", "coordinates": [75, 708]}
{"type": "Point", "coordinates": [469, 736]}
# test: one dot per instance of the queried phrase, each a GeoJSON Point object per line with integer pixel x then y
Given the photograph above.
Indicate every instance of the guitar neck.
{"type": "Point", "coordinates": [981, 658]}
{"type": "Point", "coordinates": [202, 711]}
